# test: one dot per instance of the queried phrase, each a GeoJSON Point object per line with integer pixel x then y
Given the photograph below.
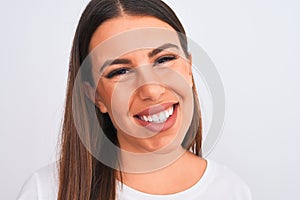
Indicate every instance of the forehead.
{"type": "Point", "coordinates": [122, 35]}
{"type": "Point", "coordinates": [118, 25]}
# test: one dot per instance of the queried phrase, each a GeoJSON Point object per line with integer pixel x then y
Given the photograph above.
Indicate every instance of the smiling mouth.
{"type": "Point", "coordinates": [158, 118]}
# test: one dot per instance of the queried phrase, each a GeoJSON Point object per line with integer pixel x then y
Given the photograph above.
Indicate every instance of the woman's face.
{"type": "Point", "coordinates": [144, 82]}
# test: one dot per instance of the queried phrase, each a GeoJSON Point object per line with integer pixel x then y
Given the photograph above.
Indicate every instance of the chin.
{"type": "Point", "coordinates": [162, 145]}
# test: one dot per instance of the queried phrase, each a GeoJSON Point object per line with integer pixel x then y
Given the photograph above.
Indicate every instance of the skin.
{"type": "Point", "coordinates": [179, 175]}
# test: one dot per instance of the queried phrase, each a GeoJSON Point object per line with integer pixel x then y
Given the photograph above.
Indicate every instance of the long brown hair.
{"type": "Point", "coordinates": [81, 176]}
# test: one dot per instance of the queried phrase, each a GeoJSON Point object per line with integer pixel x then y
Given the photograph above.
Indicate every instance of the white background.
{"type": "Point", "coordinates": [255, 46]}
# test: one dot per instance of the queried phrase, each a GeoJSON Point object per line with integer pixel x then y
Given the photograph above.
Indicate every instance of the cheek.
{"type": "Point", "coordinates": [104, 93]}
{"type": "Point", "coordinates": [184, 70]}
{"type": "Point", "coordinates": [114, 98]}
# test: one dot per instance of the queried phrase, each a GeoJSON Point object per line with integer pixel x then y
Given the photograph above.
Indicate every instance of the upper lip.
{"type": "Point", "coordinates": [155, 109]}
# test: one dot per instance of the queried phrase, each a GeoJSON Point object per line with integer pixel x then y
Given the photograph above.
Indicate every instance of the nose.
{"type": "Point", "coordinates": [149, 81]}
{"type": "Point", "coordinates": [151, 91]}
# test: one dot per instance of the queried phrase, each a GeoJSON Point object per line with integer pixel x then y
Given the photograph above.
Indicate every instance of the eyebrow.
{"type": "Point", "coordinates": [127, 61]}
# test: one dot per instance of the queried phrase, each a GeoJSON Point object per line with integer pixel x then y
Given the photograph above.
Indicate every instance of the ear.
{"type": "Point", "coordinates": [90, 92]}
{"type": "Point", "coordinates": [190, 78]}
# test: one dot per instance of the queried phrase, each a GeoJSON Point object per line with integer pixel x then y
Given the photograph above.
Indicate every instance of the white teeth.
{"type": "Point", "coordinates": [170, 110]}
{"type": "Point", "coordinates": [155, 118]}
{"type": "Point", "coordinates": [159, 117]}
{"type": "Point", "coordinates": [162, 117]}
{"type": "Point", "coordinates": [167, 114]}
{"type": "Point", "coordinates": [145, 118]}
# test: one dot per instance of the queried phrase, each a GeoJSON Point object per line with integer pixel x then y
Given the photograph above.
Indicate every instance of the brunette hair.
{"type": "Point", "coordinates": [82, 176]}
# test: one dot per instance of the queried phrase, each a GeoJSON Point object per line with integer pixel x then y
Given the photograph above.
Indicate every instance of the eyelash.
{"type": "Point", "coordinates": [164, 59]}
{"type": "Point", "coordinates": [117, 72]}
{"type": "Point", "coordinates": [123, 70]}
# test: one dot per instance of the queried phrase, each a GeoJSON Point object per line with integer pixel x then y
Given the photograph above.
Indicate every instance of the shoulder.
{"type": "Point", "coordinates": [227, 182]}
{"type": "Point", "coordinates": [42, 184]}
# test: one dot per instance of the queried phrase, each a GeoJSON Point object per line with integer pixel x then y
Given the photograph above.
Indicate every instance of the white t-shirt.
{"type": "Point", "coordinates": [218, 182]}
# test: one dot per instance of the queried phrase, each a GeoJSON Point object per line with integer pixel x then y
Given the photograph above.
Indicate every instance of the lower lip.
{"type": "Point", "coordinates": [159, 127]}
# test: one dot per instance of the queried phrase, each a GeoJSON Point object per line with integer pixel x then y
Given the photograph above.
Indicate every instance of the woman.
{"type": "Point", "coordinates": [130, 72]}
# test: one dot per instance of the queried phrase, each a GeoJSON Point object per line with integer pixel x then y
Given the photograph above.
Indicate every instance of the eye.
{"type": "Point", "coordinates": [117, 72]}
{"type": "Point", "coordinates": [165, 59]}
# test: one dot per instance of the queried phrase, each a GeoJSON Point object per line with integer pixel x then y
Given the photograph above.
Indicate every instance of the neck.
{"type": "Point", "coordinates": [177, 176]}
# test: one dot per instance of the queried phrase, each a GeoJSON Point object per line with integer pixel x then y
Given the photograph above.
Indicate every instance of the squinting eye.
{"type": "Point", "coordinates": [165, 59]}
{"type": "Point", "coordinates": [117, 72]}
